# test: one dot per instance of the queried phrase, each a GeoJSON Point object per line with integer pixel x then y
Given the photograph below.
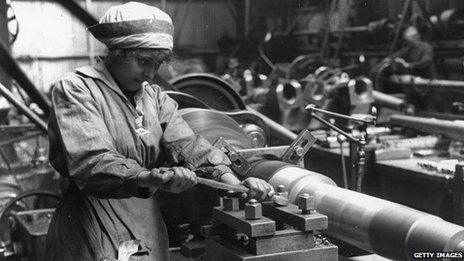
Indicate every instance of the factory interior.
{"type": "Point", "coordinates": [349, 114]}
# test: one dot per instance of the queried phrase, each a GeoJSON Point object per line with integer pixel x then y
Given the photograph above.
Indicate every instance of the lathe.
{"type": "Point", "coordinates": [375, 225]}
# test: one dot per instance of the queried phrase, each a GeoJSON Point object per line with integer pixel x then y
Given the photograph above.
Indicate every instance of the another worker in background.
{"type": "Point", "coordinates": [416, 57]}
{"type": "Point", "coordinates": [119, 139]}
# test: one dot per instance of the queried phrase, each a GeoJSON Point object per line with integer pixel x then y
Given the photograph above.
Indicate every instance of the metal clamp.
{"type": "Point", "coordinates": [239, 164]}
{"type": "Point", "coordinates": [299, 147]}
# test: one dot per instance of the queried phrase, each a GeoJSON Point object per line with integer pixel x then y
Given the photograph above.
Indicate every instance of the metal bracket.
{"type": "Point", "coordinates": [239, 164]}
{"type": "Point", "coordinates": [299, 147]}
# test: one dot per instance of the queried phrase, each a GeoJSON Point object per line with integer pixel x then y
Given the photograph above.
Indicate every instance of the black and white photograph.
{"type": "Point", "coordinates": [231, 130]}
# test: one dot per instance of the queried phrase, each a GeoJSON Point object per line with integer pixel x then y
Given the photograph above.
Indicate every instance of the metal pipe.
{"type": "Point", "coordinates": [23, 108]}
{"type": "Point", "coordinates": [375, 225]}
{"type": "Point", "coordinates": [388, 101]}
{"type": "Point", "coordinates": [451, 129]}
{"type": "Point", "coordinates": [369, 119]}
{"type": "Point", "coordinates": [411, 80]}
{"type": "Point", "coordinates": [276, 129]}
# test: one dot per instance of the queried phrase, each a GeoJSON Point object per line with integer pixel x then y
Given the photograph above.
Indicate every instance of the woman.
{"type": "Point", "coordinates": [110, 134]}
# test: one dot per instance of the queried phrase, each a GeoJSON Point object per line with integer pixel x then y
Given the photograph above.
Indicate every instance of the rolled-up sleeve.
{"type": "Point", "coordinates": [88, 155]}
{"type": "Point", "coordinates": [184, 146]}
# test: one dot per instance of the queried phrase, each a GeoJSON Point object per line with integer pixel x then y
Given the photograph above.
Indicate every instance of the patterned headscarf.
{"type": "Point", "coordinates": [134, 25]}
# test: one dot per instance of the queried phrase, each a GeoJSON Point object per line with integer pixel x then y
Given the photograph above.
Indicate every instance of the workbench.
{"type": "Point", "coordinates": [400, 180]}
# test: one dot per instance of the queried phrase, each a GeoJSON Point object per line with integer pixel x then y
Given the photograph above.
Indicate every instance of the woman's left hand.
{"type": "Point", "coordinates": [259, 189]}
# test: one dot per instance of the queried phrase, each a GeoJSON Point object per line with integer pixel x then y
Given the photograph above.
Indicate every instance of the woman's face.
{"type": "Point", "coordinates": [132, 67]}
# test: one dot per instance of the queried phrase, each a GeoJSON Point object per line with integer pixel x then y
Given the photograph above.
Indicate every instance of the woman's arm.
{"type": "Point", "coordinates": [194, 151]}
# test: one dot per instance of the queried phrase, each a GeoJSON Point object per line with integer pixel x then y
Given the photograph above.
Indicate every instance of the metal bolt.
{"type": "Point", "coordinates": [306, 203]}
{"type": "Point", "coordinates": [230, 202]}
{"type": "Point", "coordinates": [253, 209]}
{"type": "Point", "coordinates": [282, 193]}
{"type": "Point", "coordinates": [233, 157]}
{"type": "Point", "coordinates": [299, 151]}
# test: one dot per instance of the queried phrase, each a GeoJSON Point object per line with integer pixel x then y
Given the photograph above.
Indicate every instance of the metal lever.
{"type": "Point", "coordinates": [360, 143]}
{"type": "Point", "coordinates": [364, 118]}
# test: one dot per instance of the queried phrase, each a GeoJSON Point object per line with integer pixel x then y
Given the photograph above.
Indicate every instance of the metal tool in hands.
{"type": "Point", "coordinates": [279, 200]}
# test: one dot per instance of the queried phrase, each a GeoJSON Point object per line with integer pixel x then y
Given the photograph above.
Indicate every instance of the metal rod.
{"type": "Point", "coordinates": [276, 129]}
{"type": "Point", "coordinates": [335, 128]}
{"type": "Point", "coordinates": [12, 68]}
{"type": "Point", "coordinates": [345, 175]}
{"type": "Point", "coordinates": [438, 84]}
{"type": "Point", "coordinates": [451, 129]}
{"type": "Point", "coordinates": [311, 107]}
{"type": "Point", "coordinates": [23, 108]}
{"type": "Point", "coordinates": [388, 101]}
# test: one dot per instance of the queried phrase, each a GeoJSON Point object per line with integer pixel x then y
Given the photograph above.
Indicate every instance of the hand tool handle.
{"type": "Point", "coordinates": [224, 186]}
{"type": "Point", "coordinates": [283, 201]}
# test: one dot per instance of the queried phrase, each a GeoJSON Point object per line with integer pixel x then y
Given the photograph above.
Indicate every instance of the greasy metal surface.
{"type": "Point", "coordinates": [406, 230]}
{"type": "Point", "coordinates": [450, 129]}
{"type": "Point", "coordinates": [321, 251]}
{"type": "Point", "coordinates": [290, 214]}
{"type": "Point", "coordinates": [277, 151]}
{"type": "Point", "coordinates": [252, 228]}
{"type": "Point", "coordinates": [210, 89]}
{"type": "Point", "coordinates": [282, 241]}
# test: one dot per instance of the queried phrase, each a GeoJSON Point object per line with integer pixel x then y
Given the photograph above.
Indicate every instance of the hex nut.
{"type": "Point", "coordinates": [253, 209]}
{"type": "Point", "coordinates": [281, 191]}
{"type": "Point", "coordinates": [230, 203]}
{"type": "Point", "coordinates": [306, 203]}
